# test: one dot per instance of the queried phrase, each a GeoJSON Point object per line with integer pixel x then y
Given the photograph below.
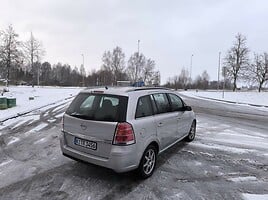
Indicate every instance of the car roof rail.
{"type": "Point", "coordinates": [148, 88]}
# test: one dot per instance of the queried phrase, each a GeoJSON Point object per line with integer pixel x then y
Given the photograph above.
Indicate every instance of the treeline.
{"type": "Point", "coordinates": [21, 63]}
{"type": "Point", "coordinates": [183, 81]}
{"type": "Point", "coordinates": [237, 66]}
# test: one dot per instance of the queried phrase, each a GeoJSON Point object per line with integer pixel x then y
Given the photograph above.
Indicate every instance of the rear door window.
{"type": "Point", "coordinates": [99, 107]}
{"type": "Point", "coordinates": [162, 103]}
{"type": "Point", "coordinates": [144, 107]}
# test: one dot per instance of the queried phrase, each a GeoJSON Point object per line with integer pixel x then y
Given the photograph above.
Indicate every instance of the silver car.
{"type": "Point", "coordinates": [125, 128]}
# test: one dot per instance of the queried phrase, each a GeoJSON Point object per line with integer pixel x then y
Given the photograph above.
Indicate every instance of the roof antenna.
{"type": "Point", "coordinates": [106, 87]}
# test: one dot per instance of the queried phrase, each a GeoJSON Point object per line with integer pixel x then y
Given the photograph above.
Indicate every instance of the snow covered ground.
{"type": "Point", "coordinates": [247, 98]}
{"type": "Point", "coordinates": [227, 160]}
{"type": "Point", "coordinates": [42, 96]}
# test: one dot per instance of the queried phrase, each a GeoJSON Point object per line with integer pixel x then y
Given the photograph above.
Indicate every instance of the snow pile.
{"type": "Point", "coordinates": [250, 98]}
{"type": "Point", "coordinates": [255, 196]}
{"type": "Point", "coordinates": [29, 98]}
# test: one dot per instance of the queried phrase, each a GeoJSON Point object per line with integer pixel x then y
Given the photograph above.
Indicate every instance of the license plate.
{"type": "Point", "coordinates": [85, 143]}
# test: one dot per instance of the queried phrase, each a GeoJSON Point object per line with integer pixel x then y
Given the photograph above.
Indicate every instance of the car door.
{"type": "Point", "coordinates": [143, 124]}
{"type": "Point", "coordinates": [183, 117]}
{"type": "Point", "coordinates": [165, 121]}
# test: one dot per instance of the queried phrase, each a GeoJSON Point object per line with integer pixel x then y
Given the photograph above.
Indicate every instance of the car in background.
{"type": "Point", "coordinates": [125, 128]}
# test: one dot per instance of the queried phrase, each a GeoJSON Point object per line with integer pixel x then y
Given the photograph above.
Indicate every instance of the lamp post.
{"type": "Point", "coordinates": [82, 73]}
{"type": "Point", "coordinates": [191, 65]}
{"type": "Point", "coordinates": [138, 47]}
{"type": "Point", "coordinates": [219, 68]}
{"type": "Point", "coordinates": [137, 65]}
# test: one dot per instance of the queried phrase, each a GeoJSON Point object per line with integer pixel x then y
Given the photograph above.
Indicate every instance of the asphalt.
{"type": "Point", "coordinates": [211, 167]}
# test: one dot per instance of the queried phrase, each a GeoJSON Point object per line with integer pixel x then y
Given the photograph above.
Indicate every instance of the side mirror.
{"type": "Point", "coordinates": [187, 108]}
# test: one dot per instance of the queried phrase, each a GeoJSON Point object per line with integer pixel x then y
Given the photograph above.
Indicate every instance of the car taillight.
{"type": "Point", "coordinates": [124, 134]}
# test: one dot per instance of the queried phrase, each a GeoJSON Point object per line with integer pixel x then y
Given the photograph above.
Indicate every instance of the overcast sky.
{"type": "Point", "coordinates": [169, 31]}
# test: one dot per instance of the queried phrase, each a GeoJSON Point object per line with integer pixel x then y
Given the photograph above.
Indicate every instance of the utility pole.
{"type": "Point", "coordinates": [191, 65]}
{"type": "Point", "coordinates": [219, 68]}
{"type": "Point", "coordinates": [38, 71]}
{"type": "Point", "coordinates": [138, 47]}
{"type": "Point", "coordinates": [138, 62]}
{"type": "Point", "coordinates": [224, 77]}
{"type": "Point", "coordinates": [83, 77]}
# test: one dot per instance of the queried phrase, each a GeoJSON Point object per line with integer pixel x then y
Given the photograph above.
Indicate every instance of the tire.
{"type": "Point", "coordinates": [148, 162]}
{"type": "Point", "coordinates": [190, 137]}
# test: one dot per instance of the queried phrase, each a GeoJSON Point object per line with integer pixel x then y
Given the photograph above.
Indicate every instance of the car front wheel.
{"type": "Point", "coordinates": [190, 137]}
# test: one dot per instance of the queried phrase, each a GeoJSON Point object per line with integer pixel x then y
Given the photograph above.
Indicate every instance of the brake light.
{"type": "Point", "coordinates": [124, 134]}
{"type": "Point", "coordinates": [98, 91]}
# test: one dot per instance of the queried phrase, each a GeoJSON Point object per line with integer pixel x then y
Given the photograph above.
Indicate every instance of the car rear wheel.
{"type": "Point", "coordinates": [148, 162]}
{"type": "Point", "coordinates": [190, 137]}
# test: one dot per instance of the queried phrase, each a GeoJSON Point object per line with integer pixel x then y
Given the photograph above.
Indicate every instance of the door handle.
{"type": "Point", "coordinates": [160, 124]}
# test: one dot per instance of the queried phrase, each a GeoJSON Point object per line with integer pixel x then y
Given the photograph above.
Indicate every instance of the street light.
{"type": "Point", "coordinates": [191, 68]}
{"type": "Point", "coordinates": [219, 68]}
{"type": "Point", "coordinates": [137, 65]}
{"type": "Point", "coordinates": [83, 78]}
{"type": "Point", "coordinates": [138, 47]}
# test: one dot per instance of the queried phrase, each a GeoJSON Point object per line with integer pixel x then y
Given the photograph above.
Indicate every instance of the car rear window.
{"type": "Point", "coordinates": [99, 107]}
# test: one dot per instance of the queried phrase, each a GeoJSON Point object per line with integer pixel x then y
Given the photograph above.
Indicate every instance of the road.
{"type": "Point", "coordinates": [228, 160]}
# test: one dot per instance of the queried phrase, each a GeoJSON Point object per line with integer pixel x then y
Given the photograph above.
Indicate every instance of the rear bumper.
{"type": "Point", "coordinates": [121, 159]}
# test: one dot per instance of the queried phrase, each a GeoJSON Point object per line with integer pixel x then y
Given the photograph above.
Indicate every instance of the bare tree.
{"type": "Point", "coordinates": [184, 78]}
{"type": "Point", "coordinates": [114, 62]}
{"type": "Point", "coordinates": [10, 54]}
{"type": "Point", "coordinates": [176, 82]}
{"type": "Point", "coordinates": [148, 73]}
{"type": "Point", "coordinates": [135, 67]}
{"type": "Point", "coordinates": [205, 79]}
{"type": "Point", "coordinates": [257, 72]}
{"type": "Point", "coordinates": [156, 78]}
{"type": "Point", "coordinates": [33, 52]}
{"type": "Point", "coordinates": [237, 59]}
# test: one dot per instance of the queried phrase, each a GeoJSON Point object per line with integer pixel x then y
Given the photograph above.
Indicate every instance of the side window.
{"type": "Point", "coordinates": [144, 107]}
{"type": "Point", "coordinates": [162, 103]}
{"type": "Point", "coordinates": [176, 102]}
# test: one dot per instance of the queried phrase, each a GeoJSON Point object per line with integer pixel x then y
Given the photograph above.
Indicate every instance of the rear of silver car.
{"type": "Point", "coordinates": [95, 130]}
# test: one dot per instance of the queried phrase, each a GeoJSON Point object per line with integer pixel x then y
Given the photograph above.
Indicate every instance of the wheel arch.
{"type": "Point", "coordinates": [155, 144]}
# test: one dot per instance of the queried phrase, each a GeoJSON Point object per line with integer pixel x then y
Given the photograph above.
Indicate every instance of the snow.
{"type": "Point", "coordinates": [39, 127]}
{"type": "Point", "coordinates": [235, 137]}
{"type": "Point", "coordinates": [13, 140]}
{"type": "Point", "coordinates": [43, 96]}
{"type": "Point", "coordinates": [230, 138]}
{"type": "Point", "coordinates": [5, 163]}
{"type": "Point", "coordinates": [40, 141]}
{"type": "Point", "coordinates": [255, 196]}
{"type": "Point", "coordinates": [19, 123]}
{"type": "Point", "coordinates": [59, 115]}
{"type": "Point", "coordinates": [221, 147]}
{"type": "Point", "coordinates": [243, 97]}
{"type": "Point", "coordinates": [243, 179]}
{"type": "Point", "coordinates": [226, 157]}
